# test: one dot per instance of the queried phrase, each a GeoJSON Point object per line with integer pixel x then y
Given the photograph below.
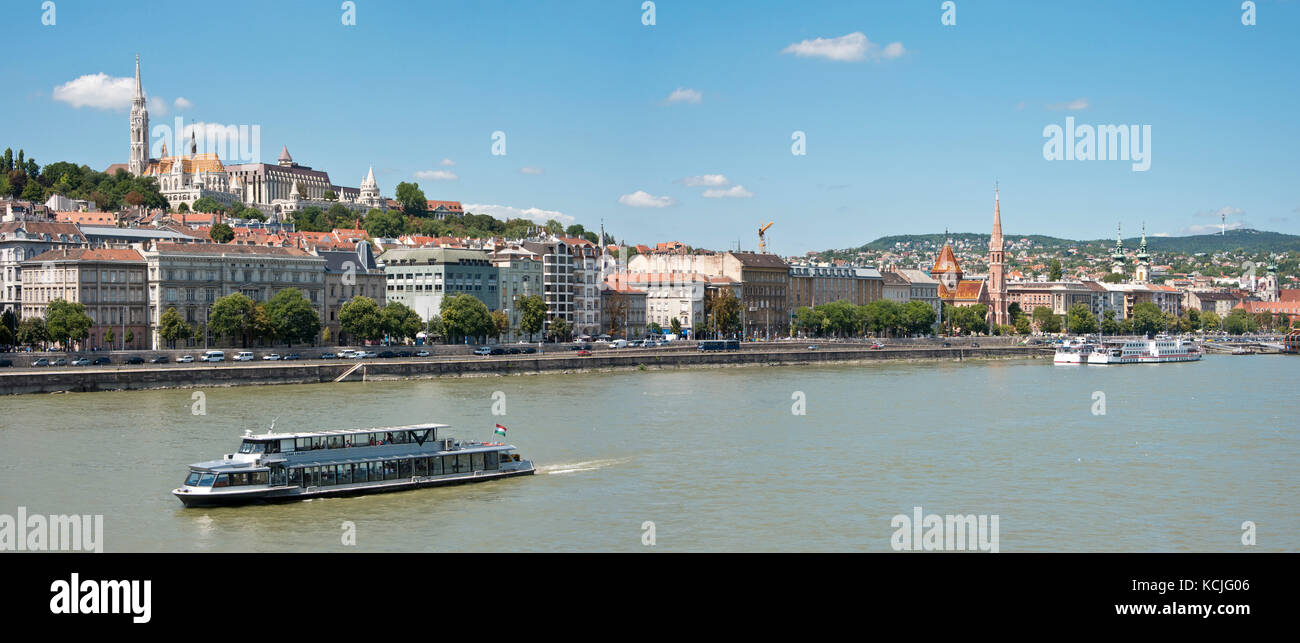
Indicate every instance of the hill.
{"type": "Point", "coordinates": [1247, 241]}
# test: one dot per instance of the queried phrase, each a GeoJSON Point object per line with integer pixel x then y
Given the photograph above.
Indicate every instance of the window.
{"type": "Point", "coordinates": [345, 474]}
{"type": "Point", "coordinates": [192, 480]}
{"type": "Point", "coordinates": [390, 469]}
{"type": "Point", "coordinates": [476, 460]}
{"type": "Point", "coordinates": [421, 466]}
{"type": "Point", "coordinates": [361, 473]}
{"type": "Point", "coordinates": [260, 477]}
{"type": "Point", "coordinates": [222, 481]}
{"type": "Point", "coordinates": [435, 466]}
{"type": "Point", "coordinates": [490, 460]}
{"type": "Point", "coordinates": [403, 468]}
{"type": "Point", "coordinates": [295, 476]}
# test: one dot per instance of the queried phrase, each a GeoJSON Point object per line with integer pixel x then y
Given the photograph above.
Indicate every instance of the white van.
{"type": "Point", "coordinates": [243, 356]}
{"type": "Point", "coordinates": [213, 356]}
{"type": "Point", "coordinates": [618, 343]}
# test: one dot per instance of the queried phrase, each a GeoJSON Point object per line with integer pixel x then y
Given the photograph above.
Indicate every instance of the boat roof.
{"type": "Point", "coordinates": [310, 434]}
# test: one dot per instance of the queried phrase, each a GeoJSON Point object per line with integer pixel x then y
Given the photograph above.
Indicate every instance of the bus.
{"type": "Point", "coordinates": [719, 345]}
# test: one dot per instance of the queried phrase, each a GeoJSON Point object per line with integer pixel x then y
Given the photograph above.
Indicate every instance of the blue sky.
{"type": "Point", "coordinates": [908, 122]}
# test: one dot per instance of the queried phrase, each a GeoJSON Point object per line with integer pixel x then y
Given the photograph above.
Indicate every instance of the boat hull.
{"type": "Point", "coordinates": [296, 494]}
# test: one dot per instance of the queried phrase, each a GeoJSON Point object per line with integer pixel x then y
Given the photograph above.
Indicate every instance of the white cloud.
{"type": "Point", "coordinates": [1228, 211]}
{"type": "Point", "coordinates": [504, 212]}
{"type": "Point", "coordinates": [531, 170]}
{"type": "Point", "coordinates": [848, 48]}
{"type": "Point", "coordinates": [436, 175]}
{"type": "Point", "coordinates": [642, 199]}
{"type": "Point", "coordinates": [734, 192]}
{"type": "Point", "coordinates": [446, 163]}
{"type": "Point", "coordinates": [684, 95]}
{"type": "Point", "coordinates": [99, 91]}
{"type": "Point", "coordinates": [706, 180]}
{"type": "Point", "coordinates": [157, 106]}
{"type": "Point", "coordinates": [182, 103]}
{"type": "Point", "coordinates": [1070, 106]}
{"type": "Point", "coordinates": [1211, 228]}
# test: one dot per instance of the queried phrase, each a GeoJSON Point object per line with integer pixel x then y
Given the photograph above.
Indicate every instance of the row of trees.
{"type": "Point", "coordinates": [65, 324]}
{"type": "Point", "coordinates": [22, 177]}
{"type": "Point", "coordinates": [880, 317]}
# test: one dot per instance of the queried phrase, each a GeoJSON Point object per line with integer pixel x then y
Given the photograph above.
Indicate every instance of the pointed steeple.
{"type": "Point", "coordinates": [139, 89]}
{"type": "Point", "coordinates": [1142, 249]}
{"type": "Point", "coordinates": [285, 159]}
{"type": "Point", "coordinates": [995, 240]}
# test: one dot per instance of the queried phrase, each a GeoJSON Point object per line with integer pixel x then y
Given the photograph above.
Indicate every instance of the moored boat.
{"type": "Point", "coordinates": [1145, 351]}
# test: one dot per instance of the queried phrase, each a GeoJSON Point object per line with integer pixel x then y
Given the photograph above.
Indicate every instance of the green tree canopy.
{"type": "Point", "coordinates": [233, 316]}
{"type": "Point", "coordinates": [171, 327]}
{"type": "Point", "coordinates": [532, 314]}
{"type": "Point", "coordinates": [361, 318]}
{"type": "Point", "coordinates": [1080, 320]}
{"type": "Point", "coordinates": [411, 197]}
{"type": "Point", "coordinates": [465, 316]}
{"type": "Point", "coordinates": [221, 233]}
{"type": "Point", "coordinates": [400, 322]}
{"type": "Point", "coordinates": [67, 322]}
{"type": "Point", "coordinates": [292, 317]}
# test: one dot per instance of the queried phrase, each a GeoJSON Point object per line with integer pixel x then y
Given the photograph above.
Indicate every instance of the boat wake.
{"type": "Point", "coordinates": [575, 467]}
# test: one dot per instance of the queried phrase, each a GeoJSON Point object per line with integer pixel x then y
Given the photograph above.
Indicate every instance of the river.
{"type": "Point", "coordinates": [715, 459]}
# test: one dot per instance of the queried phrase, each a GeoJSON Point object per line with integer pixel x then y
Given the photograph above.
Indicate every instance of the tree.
{"type": "Point", "coordinates": [329, 195]}
{"type": "Point", "coordinates": [326, 336]}
{"type": "Point", "coordinates": [1210, 321]}
{"type": "Point", "coordinates": [66, 323]}
{"type": "Point", "coordinates": [252, 213]}
{"type": "Point", "coordinates": [1147, 318]}
{"type": "Point", "coordinates": [726, 314]}
{"type": "Point", "coordinates": [379, 223]}
{"type": "Point", "coordinates": [654, 328]}
{"type": "Point", "coordinates": [559, 329]}
{"type": "Point", "coordinates": [532, 317]}
{"type": "Point", "coordinates": [361, 319]}
{"type": "Point", "coordinates": [1108, 324]}
{"type": "Point", "coordinates": [411, 198]}
{"type": "Point", "coordinates": [675, 326]}
{"type": "Point", "coordinates": [171, 327]}
{"type": "Point", "coordinates": [466, 316]}
{"type": "Point", "coordinates": [1046, 320]}
{"type": "Point", "coordinates": [207, 204]}
{"type": "Point", "coordinates": [808, 321]}
{"type": "Point", "coordinates": [6, 336]}
{"type": "Point", "coordinates": [1080, 320]}
{"type": "Point", "coordinates": [918, 317]}
{"type": "Point", "coordinates": [435, 328]}
{"type": "Point", "coordinates": [400, 322]}
{"type": "Point", "coordinates": [1113, 278]}
{"type": "Point", "coordinates": [1054, 270]}
{"type": "Point", "coordinates": [500, 323]}
{"type": "Point", "coordinates": [1238, 321]}
{"type": "Point", "coordinates": [233, 316]}
{"type": "Point", "coordinates": [291, 316]}
{"type": "Point", "coordinates": [615, 306]}
{"type": "Point", "coordinates": [130, 338]}
{"type": "Point", "coordinates": [31, 332]}
{"type": "Point", "coordinates": [221, 233]}
{"type": "Point", "coordinates": [108, 339]}
{"type": "Point", "coordinates": [9, 320]}
{"type": "Point", "coordinates": [1022, 325]}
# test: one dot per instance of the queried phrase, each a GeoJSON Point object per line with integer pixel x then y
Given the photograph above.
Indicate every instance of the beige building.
{"type": "Point", "coordinates": [349, 274]}
{"type": "Point", "coordinates": [110, 283]}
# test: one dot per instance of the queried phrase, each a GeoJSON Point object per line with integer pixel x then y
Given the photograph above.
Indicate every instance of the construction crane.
{"type": "Point", "coordinates": [762, 240]}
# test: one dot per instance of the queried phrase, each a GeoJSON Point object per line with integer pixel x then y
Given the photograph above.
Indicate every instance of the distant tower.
{"type": "Point", "coordinates": [139, 159]}
{"type": "Point", "coordinates": [1223, 224]}
{"type": "Point", "coordinates": [1117, 257]}
{"type": "Point", "coordinates": [369, 188]}
{"type": "Point", "coordinates": [1143, 272]}
{"type": "Point", "coordinates": [997, 270]}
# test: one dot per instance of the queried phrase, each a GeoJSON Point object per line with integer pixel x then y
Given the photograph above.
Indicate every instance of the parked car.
{"type": "Point", "coordinates": [483, 350]}
{"type": "Point", "coordinates": [185, 359]}
{"type": "Point", "coordinates": [422, 353]}
{"type": "Point", "coordinates": [514, 350]}
{"type": "Point", "coordinates": [59, 362]}
{"type": "Point", "coordinates": [291, 356]}
{"type": "Point", "coordinates": [387, 354]}
{"type": "Point", "coordinates": [99, 361]}
{"type": "Point", "coordinates": [583, 352]}
{"type": "Point", "coordinates": [328, 356]}
{"type": "Point", "coordinates": [213, 356]}
{"type": "Point", "coordinates": [6, 363]}
{"type": "Point", "coordinates": [41, 361]}
{"type": "Point", "coordinates": [363, 354]}
{"type": "Point", "coordinates": [947, 344]}
{"type": "Point", "coordinates": [272, 357]}
{"type": "Point", "coordinates": [161, 359]}
{"type": "Point", "coordinates": [403, 353]}
{"type": "Point", "coordinates": [134, 359]}
{"type": "Point", "coordinates": [243, 356]}
{"type": "Point", "coordinates": [498, 351]}
{"type": "Point", "coordinates": [618, 343]}
{"type": "Point", "coordinates": [528, 350]}
{"type": "Point", "coordinates": [975, 344]}
{"type": "Point", "coordinates": [876, 345]}
{"type": "Point", "coordinates": [812, 347]}
{"type": "Point", "coordinates": [81, 361]}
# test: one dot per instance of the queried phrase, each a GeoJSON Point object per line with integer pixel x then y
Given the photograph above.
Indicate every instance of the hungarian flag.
{"type": "Point", "coordinates": [501, 430]}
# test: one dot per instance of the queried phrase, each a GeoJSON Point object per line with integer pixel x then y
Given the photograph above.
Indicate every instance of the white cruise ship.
{"type": "Point", "coordinates": [1145, 351]}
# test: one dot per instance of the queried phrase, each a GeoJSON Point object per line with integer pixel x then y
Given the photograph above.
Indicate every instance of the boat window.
{"type": "Point", "coordinates": [476, 461]}
{"type": "Point", "coordinates": [260, 477]}
{"type": "Point", "coordinates": [345, 474]}
{"type": "Point", "coordinates": [295, 476]}
{"type": "Point", "coordinates": [420, 436]}
{"type": "Point", "coordinates": [490, 460]}
{"type": "Point", "coordinates": [273, 447]}
{"type": "Point", "coordinates": [435, 466]}
{"type": "Point", "coordinates": [327, 474]}
{"type": "Point", "coordinates": [334, 442]}
{"type": "Point", "coordinates": [302, 444]}
{"type": "Point", "coordinates": [421, 466]}
{"type": "Point", "coordinates": [286, 445]}
{"type": "Point", "coordinates": [250, 446]}
{"type": "Point", "coordinates": [403, 468]}
{"type": "Point", "coordinates": [192, 480]}
{"type": "Point", "coordinates": [397, 437]}
{"type": "Point", "coordinates": [206, 480]}
{"type": "Point", "coordinates": [362, 473]}
{"type": "Point", "coordinates": [222, 481]}
{"type": "Point", "coordinates": [317, 443]}
{"type": "Point", "coordinates": [390, 469]}
{"type": "Point", "coordinates": [376, 471]}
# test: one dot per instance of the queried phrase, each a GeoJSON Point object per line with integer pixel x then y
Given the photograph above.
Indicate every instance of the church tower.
{"type": "Point", "coordinates": [139, 159]}
{"type": "Point", "coordinates": [997, 269]}
{"type": "Point", "coordinates": [1117, 257]}
{"type": "Point", "coordinates": [1142, 273]}
{"type": "Point", "coordinates": [369, 189]}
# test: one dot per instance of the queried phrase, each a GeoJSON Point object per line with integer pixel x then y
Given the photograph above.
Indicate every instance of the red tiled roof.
{"type": "Point", "coordinates": [229, 249]}
{"type": "Point", "coordinates": [88, 254]}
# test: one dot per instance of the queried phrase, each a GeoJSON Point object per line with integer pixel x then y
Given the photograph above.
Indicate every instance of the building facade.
{"type": "Point", "coordinates": [110, 283]}
{"type": "Point", "coordinates": [350, 274]}
{"type": "Point", "coordinates": [22, 240]}
{"type": "Point", "coordinates": [519, 275]}
{"type": "Point", "coordinates": [421, 278]}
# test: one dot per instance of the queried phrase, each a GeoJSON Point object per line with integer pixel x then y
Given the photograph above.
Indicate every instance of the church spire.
{"type": "Point", "coordinates": [995, 240]}
{"type": "Point", "coordinates": [139, 89]}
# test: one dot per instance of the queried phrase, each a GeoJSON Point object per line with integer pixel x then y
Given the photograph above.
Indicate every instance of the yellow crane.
{"type": "Point", "coordinates": [762, 240]}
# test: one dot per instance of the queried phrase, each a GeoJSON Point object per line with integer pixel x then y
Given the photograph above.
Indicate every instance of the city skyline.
{"type": "Point", "coordinates": [681, 134]}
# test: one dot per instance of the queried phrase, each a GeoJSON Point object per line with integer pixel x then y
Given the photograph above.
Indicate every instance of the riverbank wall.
{"type": "Point", "coordinates": [117, 378]}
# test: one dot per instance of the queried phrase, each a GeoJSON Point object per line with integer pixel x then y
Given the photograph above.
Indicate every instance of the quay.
{"type": "Point", "coordinates": [20, 381]}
